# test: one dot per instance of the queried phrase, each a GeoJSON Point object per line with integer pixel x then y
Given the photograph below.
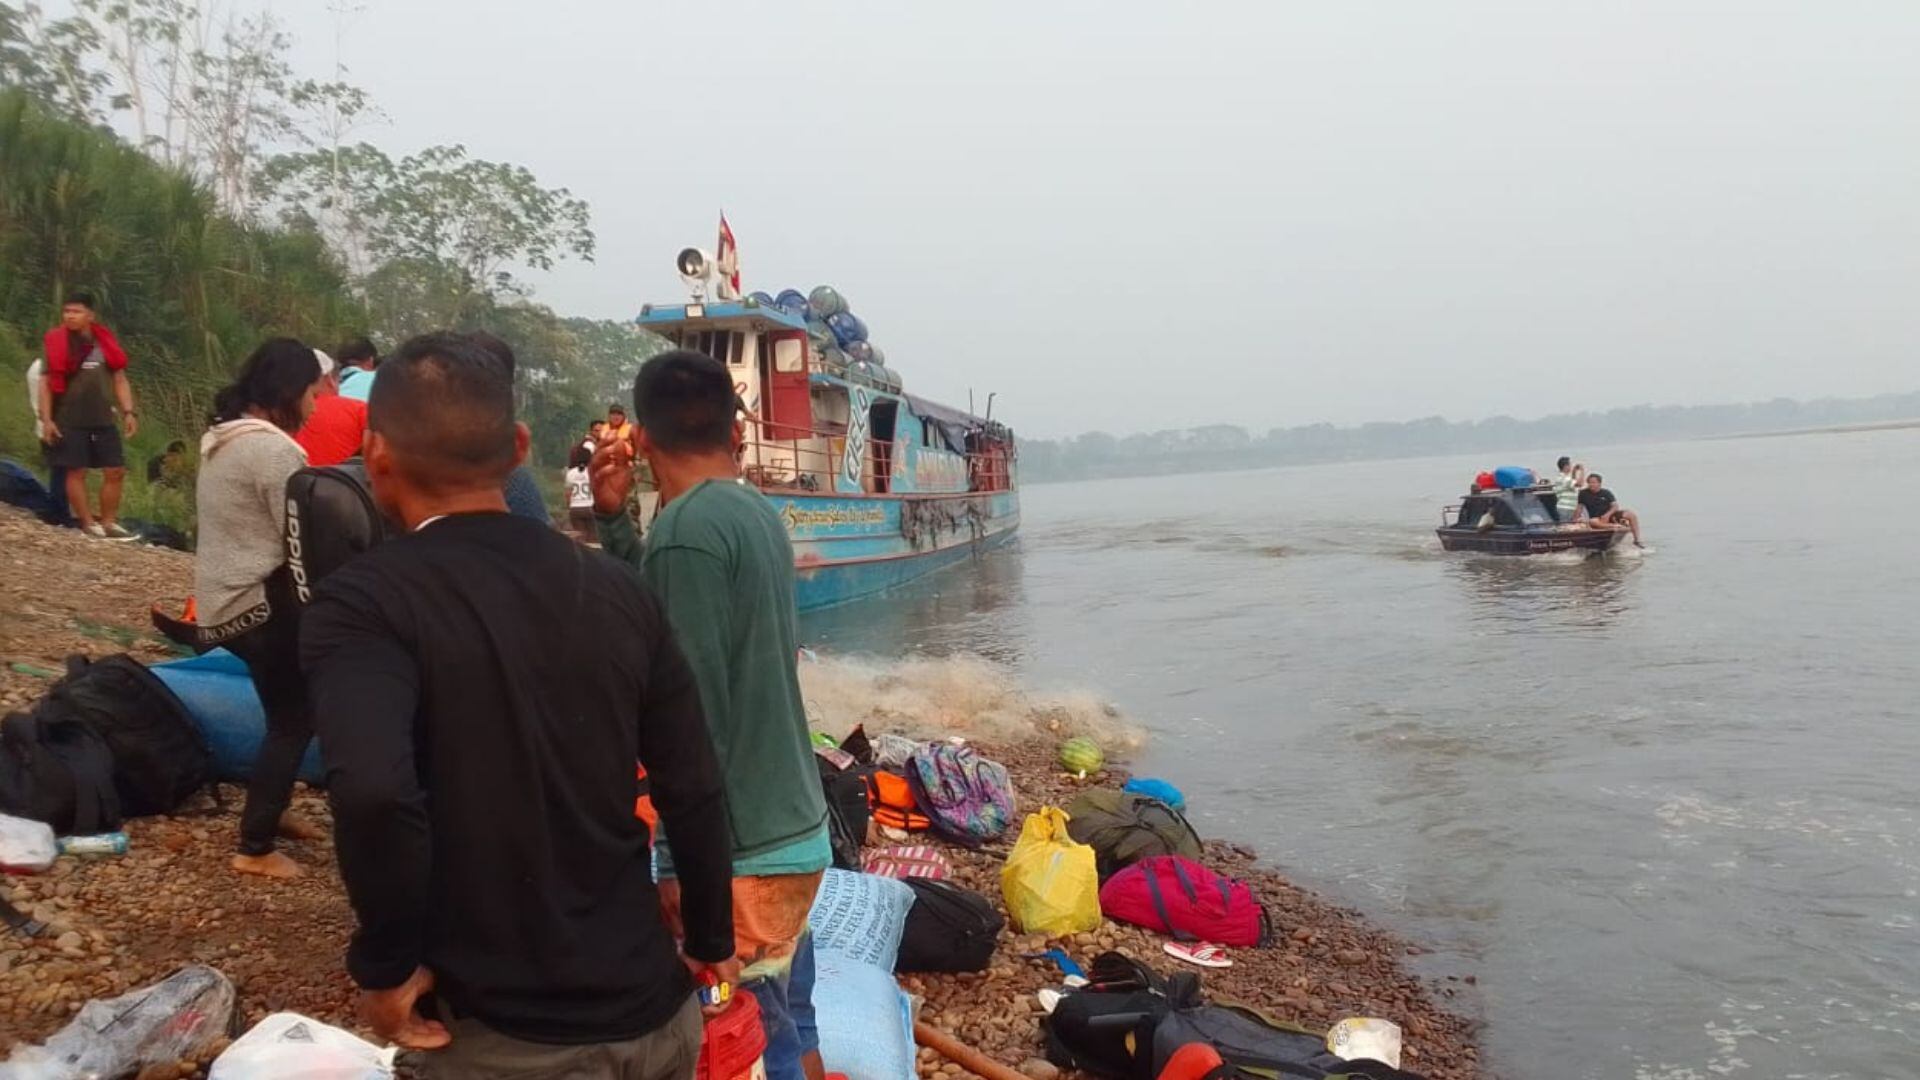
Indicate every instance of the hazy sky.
{"type": "Point", "coordinates": [1129, 216]}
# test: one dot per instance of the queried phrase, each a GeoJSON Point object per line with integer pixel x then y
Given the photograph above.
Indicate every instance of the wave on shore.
{"type": "Point", "coordinates": [928, 698]}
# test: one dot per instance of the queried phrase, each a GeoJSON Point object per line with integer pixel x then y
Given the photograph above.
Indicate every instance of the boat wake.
{"type": "Point", "coordinates": [928, 698]}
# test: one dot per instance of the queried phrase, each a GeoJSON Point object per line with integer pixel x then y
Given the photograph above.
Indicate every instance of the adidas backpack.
{"type": "Point", "coordinates": [968, 799]}
{"type": "Point", "coordinates": [331, 517]}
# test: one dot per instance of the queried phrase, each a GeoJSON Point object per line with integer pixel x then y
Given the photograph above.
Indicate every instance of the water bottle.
{"type": "Point", "coordinates": [112, 843]}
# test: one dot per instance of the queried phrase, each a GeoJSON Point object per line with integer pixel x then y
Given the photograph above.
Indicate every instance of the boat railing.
{"type": "Point", "coordinates": [808, 459]}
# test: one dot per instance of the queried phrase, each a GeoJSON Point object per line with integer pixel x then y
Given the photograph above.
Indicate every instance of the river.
{"type": "Point", "coordinates": [1663, 807]}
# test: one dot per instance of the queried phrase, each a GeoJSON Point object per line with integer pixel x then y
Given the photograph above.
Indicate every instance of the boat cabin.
{"type": "Point", "coordinates": [850, 429]}
{"type": "Point", "coordinates": [1511, 508]}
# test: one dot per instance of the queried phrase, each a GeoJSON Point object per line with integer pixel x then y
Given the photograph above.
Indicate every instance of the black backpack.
{"type": "Point", "coordinates": [158, 756]}
{"type": "Point", "coordinates": [331, 517]}
{"type": "Point", "coordinates": [1129, 1021]}
{"type": "Point", "coordinates": [948, 928]}
{"type": "Point", "coordinates": [1107, 1034]}
{"type": "Point", "coordinates": [58, 770]}
{"type": "Point", "coordinates": [1257, 1048]}
{"type": "Point", "coordinates": [847, 812]}
{"type": "Point", "coordinates": [1106, 1029]}
{"type": "Point", "coordinates": [1123, 827]}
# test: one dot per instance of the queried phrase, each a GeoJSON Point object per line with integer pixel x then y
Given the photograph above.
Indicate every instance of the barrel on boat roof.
{"type": "Point", "coordinates": [1513, 476]}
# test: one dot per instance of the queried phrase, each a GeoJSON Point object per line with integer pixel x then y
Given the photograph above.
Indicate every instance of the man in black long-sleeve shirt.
{"type": "Point", "coordinates": [482, 688]}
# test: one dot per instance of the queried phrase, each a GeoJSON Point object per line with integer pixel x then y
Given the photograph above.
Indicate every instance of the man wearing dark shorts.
{"type": "Point", "coordinates": [1602, 510]}
{"type": "Point", "coordinates": [86, 377]}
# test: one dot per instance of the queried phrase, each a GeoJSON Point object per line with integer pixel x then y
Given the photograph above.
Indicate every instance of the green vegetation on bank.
{"type": "Point", "coordinates": [174, 166]}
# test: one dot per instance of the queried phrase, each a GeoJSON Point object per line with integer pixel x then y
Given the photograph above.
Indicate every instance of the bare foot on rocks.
{"type": "Point", "coordinates": [295, 827]}
{"type": "Point", "coordinates": [273, 864]}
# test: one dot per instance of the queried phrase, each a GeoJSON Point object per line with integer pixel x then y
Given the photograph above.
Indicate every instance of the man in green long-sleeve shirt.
{"type": "Point", "coordinates": [719, 560]}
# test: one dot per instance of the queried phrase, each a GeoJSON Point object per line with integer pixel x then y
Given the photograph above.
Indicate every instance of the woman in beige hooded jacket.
{"type": "Point", "coordinates": [241, 582]}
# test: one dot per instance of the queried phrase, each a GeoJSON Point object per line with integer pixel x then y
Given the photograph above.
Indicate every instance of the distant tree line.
{"type": "Point", "coordinates": [1222, 447]}
{"type": "Point", "coordinates": [240, 203]}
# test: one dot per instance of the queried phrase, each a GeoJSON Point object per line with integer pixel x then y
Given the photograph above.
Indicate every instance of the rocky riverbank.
{"type": "Point", "coordinates": [121, 922]}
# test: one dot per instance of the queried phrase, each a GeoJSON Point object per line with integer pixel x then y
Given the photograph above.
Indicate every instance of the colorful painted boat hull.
{"type": "Point", "coordinates": [848, 547]}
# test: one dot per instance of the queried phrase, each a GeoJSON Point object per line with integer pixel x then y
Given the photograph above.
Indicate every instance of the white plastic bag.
{"type": "Point", "coordinates": [26, 847]}
{"type": "Point", "coordinates": [893, 750]}
{"type": "Point", "coordinates": [288, 1046]}
{"type": "Point", "coordinates": [177, 1017]}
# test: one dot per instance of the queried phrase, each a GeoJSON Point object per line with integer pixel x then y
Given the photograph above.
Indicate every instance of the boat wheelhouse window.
{"type": "Point", "coordinates": [1472, 510]}
{"type": "Point", "coordinates": [789, 354]}
{"type": "Point", "coordinates": [1533, 511]}
{"type": "Point", "coordinates": [727, 347]}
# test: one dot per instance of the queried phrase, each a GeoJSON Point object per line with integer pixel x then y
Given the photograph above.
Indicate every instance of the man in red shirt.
{"type": "Point", "coordinates": [338, 424]}
{"type": "Point", "coordinates": [85, 380]}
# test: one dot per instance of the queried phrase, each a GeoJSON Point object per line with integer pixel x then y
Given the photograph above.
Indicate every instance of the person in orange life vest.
{"type": "Point", "coordinates": [618, 428]}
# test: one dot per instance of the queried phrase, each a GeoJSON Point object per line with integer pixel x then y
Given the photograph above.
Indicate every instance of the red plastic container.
{"type": "Point", "coordinates": [735, 1044]}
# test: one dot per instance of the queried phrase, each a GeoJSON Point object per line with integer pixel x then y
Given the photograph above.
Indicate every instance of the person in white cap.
{"type": "Point", "coordinates": [338, 424]}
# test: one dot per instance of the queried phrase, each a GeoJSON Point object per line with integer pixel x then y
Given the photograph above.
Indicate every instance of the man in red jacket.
{"type": "Point", "coordinates": [86, 378]}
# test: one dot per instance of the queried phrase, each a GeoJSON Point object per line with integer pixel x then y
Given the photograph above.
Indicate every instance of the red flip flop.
{"type": "Point", "coordinates": [1199, 954]}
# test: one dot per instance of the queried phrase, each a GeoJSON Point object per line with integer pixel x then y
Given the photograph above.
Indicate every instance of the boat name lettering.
{"type": "Point", "coordinates": [796, 517]}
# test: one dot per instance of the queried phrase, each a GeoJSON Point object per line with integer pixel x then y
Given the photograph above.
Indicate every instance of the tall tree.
{"type": "Point", "coordinates": [481, 216]}
{"type": "Point", "coordinates": [51, 59]}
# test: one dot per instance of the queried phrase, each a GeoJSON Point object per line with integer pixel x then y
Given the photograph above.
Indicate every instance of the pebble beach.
{"type": "Point", "coordinates": [120, 922]}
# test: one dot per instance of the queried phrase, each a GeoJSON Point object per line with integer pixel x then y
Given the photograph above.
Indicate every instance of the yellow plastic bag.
{"type": "Point", "coordinates": [1049, 881]}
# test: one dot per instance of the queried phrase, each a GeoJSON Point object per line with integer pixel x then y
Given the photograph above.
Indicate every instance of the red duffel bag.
{"type": "Point", "coordinates": [1174, 895]}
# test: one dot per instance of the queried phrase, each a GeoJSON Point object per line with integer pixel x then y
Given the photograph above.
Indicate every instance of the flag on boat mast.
{"type": "Point", "coordinates": [727, 260]}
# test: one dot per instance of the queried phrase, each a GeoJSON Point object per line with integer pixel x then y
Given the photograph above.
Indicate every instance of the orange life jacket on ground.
{"type": "Point", "coordinates": [891, 801]}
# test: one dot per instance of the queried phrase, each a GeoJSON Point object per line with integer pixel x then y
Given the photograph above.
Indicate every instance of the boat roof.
{"type": "Point", "coordinates": [946, 414]}
{"type": "Point", "coordinates": [661, 314]}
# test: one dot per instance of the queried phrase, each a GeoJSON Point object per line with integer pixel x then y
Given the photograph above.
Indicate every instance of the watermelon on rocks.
{"type": "Point", "coordinates": [1082, 756]}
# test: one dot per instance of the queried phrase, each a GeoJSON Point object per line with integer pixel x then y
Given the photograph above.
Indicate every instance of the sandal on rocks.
{"type": "Point", "coordinates": [1199, 954]}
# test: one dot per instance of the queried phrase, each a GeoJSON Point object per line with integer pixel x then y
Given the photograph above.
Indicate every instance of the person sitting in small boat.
{"type": "Point", "coordinates": [1566, 489]}
{"type": "Point", "coordinates": [1605, 511]}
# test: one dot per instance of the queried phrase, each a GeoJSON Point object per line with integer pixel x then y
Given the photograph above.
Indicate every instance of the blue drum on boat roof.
{"type": "Point", "coordinates": [1513, 476]}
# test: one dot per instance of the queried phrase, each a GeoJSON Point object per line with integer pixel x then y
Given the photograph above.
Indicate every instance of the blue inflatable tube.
{"type": "Point", "coordinates": [219, 693]}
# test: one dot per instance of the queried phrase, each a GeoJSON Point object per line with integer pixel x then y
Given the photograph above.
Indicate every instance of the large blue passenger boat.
{"type": "Point", "coordinates": [876, 486]}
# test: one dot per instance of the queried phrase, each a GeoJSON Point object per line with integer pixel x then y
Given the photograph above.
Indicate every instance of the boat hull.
{"type": "Point", "coordinates": [849, 547]}
{"type": "Point", "coordinates": [1509, 541]}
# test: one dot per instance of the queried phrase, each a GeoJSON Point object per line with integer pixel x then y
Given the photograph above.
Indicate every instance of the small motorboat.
{"type": "Point", "coordinates": [1518, 521]}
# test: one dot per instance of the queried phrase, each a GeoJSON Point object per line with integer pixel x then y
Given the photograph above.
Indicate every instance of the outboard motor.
{"type": "Point", "coordinates": [331, 517]}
